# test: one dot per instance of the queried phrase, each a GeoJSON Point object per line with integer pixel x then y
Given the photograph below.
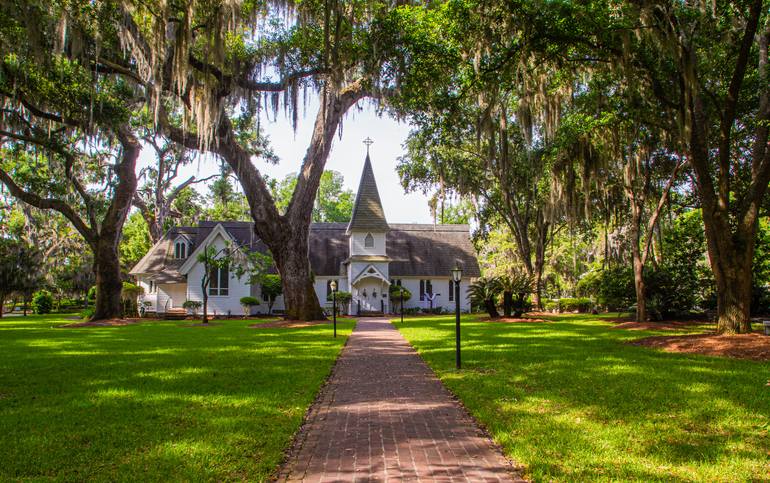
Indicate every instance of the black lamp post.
{"type": "Point", "coordinates": [401, 291]}
{"type": "Point", "coordinates": [333, 286]}
{"type": "Point", "coordinates": [457, 275]}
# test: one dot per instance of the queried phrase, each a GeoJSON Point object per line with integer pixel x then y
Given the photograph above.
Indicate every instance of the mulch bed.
{"type": "Point", "coordinates": [668, 324]}
{"type": "Point", "coordinates": [754, 346]}
{"type": "Point", "coordinates": [511, 320]}
{"type": "Point", "coordinates": [101, 323]}
{"type": "Point", "coordinates": [289, 324]}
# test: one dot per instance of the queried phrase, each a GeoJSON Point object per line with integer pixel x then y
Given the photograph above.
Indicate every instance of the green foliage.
{"type": "Point", "coordinates": [333, 203]}
{"type": "Point", "coordinates": [131, 291]}
{"type": "Point", "coordinates": [192, 304]}
{"type": "Point", "coordinates": [550, 305]}
{"type": "Point", "coordinates": [343, 299]}
{"type": "Point", "coordinates": [482, 294]}
{"type": "Point", "coordinates": [20, 268]}
{"type": "Point", "coordinates": [249, 301]}
{"type": "Point", "coordinates": [396, 292]}
{"type": "Point", "coordinates": [135, 242]}
{"type": "Point", "coordinates": [580, 305]}
{"type": "Point", "coordinates": [685, 281]}
{"type": "Point", "coordinates": [271, 287]}
{"type": "Point", "coordinates": [514, 287]}
{"type": "Point", "coordinates": [760, 281]}
{"type": "Point", "coordinates": [42, 302]}
{"type": "Point", "coordinates": [226, 204]}
{"type": "Point", "coordinates": [614, 288]}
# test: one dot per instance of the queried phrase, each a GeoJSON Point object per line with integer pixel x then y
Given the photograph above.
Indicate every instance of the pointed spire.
{"type": "Point", "coordinates": [368, 214]}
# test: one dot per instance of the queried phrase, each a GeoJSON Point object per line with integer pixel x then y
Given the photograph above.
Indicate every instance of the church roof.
{"type": "Point", "coordinates": [415, 250]}
{"type": "Point", "coordinates": [368, 214]}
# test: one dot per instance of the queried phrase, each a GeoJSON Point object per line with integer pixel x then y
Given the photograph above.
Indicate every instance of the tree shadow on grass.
{"type": "Point", "coordinates": [155, 402]}
{"type": "Point", "coordinates": [538, 388]}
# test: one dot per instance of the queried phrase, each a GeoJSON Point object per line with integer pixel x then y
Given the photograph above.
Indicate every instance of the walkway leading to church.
{"type": "Point", "coordinates": [384, 415]}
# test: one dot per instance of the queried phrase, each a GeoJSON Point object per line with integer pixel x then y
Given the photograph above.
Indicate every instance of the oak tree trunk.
{"type": "Point", "coordinates": [292, 262]}
{"type": "Point", "coordinates": [108, 281]}
{"type": "Point", "coordinates": [731, 256]}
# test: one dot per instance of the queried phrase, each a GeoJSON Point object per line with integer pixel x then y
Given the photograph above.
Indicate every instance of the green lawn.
{"type": "Point", "coordinates": [155, 401]}
{"type": "Point", "coordinates": [571, 402]}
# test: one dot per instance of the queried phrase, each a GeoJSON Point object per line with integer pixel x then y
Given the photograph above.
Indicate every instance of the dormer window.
{"type": "Point", "coordinates": [180, 249]}
{"type": "Point", "coordinates": [369, 241]}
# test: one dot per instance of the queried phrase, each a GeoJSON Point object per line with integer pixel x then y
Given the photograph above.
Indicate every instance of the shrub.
{"type": "Point", "coordinates": [42, 302]}
{"type": "Point", "coordinates": [550, 305]}
{"type": "Point", "coordinates": [271, 288]}
{"type": "Point", "coordinates": [343, 299]}
{"type": "Point", "coordinates": [580, 305]}
{"type": "Point", "coordinates": [192, 306]}
{"type": "Point", "coordinates": [87, 313]}
{"type": "Point", "coordinates": [483, 293]}
{"type": "Point", "coordinates": [129, 294]}
{"type": "Point", "coordinates": [395, 293]}
{"type": "Point", "coordinates": [613, 288]}
{"type": "Point", "coordinates": [247, 303]}
{"type": "Point", "coordinates": [434, 310]}
{"type": "Point", "coordinates": [515, 287]}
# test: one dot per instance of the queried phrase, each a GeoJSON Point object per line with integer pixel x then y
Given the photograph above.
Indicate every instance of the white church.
{"type": "Point", "coordinates": [364, 256]}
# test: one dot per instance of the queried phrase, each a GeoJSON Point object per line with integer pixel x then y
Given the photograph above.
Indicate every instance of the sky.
{"type": "Point", "coordinates": [347, 157]}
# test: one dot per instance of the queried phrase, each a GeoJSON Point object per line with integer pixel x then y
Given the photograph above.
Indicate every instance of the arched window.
{"type": "Point", "coordinates": [369, 241]}
{"type": "Point", "coordinates": [180, 249]}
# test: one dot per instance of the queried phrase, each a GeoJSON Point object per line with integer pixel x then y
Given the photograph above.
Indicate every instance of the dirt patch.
{"type": "Point", "coordinates": [102, 323]}
{"type": "Point", "coordinates": [289, 324]}
{"type": "Point", "coordinates": [753, 346]}
{"type": "Point", "coordinates": [511, 320]}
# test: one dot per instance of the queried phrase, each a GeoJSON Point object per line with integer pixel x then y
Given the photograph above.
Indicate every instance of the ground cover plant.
{"type": "Point", "coordinates": [572, 401]}
{"type": "Point", "coordinates": [155, 401]}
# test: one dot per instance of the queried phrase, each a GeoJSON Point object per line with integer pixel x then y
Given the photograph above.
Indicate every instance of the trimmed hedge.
{"type": "Point", "coordinates": [580, 305]}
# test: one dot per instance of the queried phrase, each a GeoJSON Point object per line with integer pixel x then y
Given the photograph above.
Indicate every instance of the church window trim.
{"type": "Point", "coordinates": [425, 288]}
{"type": "Point", "coordinates": [219, 282]}
{"type": "Point", "coordinates": [182, 248]}
{"type": "Point", "coordinates": [369, 241]}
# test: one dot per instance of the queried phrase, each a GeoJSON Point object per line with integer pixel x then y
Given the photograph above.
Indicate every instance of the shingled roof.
{"type": "Point", "coordinates": [368, 214]}
{"type": "Point", "coordinates": [415, 250]}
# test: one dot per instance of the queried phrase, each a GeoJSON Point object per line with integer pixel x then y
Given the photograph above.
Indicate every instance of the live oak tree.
{"type": "Point", "coordinates": [155, 198]}
{"type": "Point", "coordinates": [212, 68]}
{"type": "Point", "coordinates": [67, 141]}
{"type": "Point", "coordinates": [707, 61]}
{"type": "Point", "coordinates": [20, 269]}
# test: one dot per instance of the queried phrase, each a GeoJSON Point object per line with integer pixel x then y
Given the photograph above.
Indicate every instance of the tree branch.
{"type": "Point", "coordinates": [49, 204]}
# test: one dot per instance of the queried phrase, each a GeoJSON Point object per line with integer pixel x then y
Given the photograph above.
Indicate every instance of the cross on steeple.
{"type": "Point", "coordinates": [368, 141]}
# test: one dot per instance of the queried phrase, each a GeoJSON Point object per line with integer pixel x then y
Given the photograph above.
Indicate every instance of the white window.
{"type": "Point", "coordinates": [180, 249]}
{"type": "Point", "coordinates": [219, 281]}
{"type": "Point", "coordinates": [369, 241]}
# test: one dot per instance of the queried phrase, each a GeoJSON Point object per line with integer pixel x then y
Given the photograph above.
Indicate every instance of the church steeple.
{"type": "Point", "coordinates": [368, 214]}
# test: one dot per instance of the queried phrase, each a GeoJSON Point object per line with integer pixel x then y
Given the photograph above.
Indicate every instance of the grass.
{"type": "Point", "coordinates": [156, 401]}
{"type": "Point", "coordinates": [571, 402]}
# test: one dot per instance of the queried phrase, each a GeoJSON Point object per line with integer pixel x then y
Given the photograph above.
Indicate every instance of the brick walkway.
{"type": "Point", "coordinates": [384, 415]}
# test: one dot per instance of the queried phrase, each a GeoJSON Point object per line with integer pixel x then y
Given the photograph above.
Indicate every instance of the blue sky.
{"type": "Point", "coordinates": [347, 157]}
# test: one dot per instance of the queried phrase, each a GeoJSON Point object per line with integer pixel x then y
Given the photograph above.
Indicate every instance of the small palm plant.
{"type": "Point", "coordinates": [515, 287]}
{"type": "Point", "coordinates": [483, 293]}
